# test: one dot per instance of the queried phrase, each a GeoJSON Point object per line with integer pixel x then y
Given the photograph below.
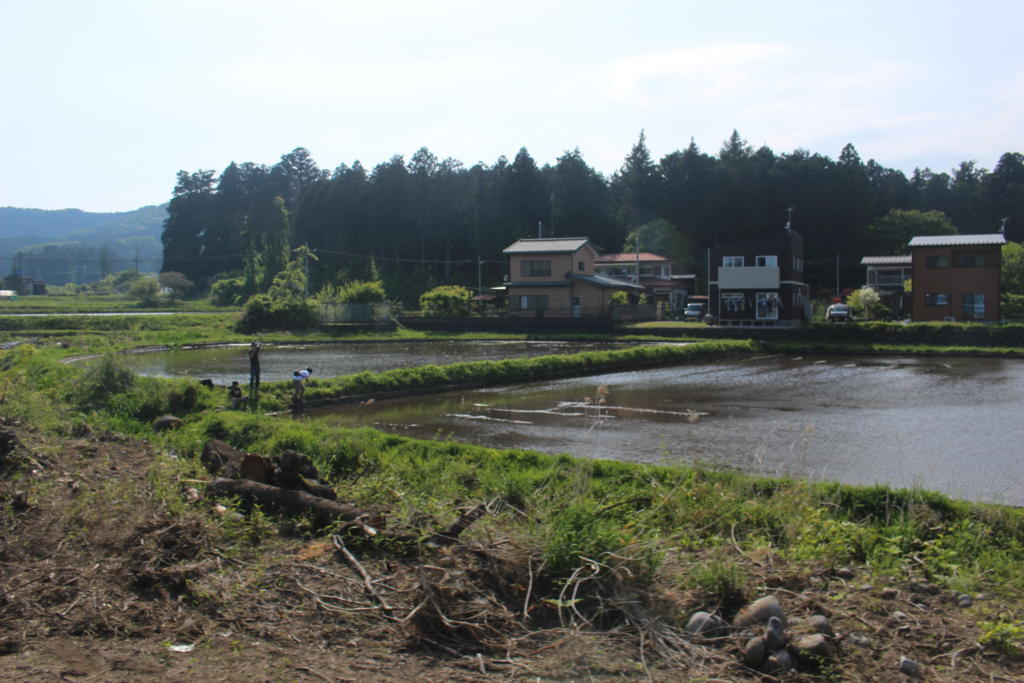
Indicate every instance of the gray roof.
{"type": "Point", "coordinates": [547, 245]}
{"type": "Point", "coordinates": [957, 240]}
{"type": "Point", "coordinates": [602, 281]}
{"type": "Point", "coordinates": [887, 260]}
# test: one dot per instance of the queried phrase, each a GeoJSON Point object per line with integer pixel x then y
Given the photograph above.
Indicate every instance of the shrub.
{"type": "Point", "coordinates": [106, 379]}
{"type": "Point", "coordinates": [866, 303]}
{"type": "Point", "coordinates": [228, 292]}
{"type": "Point", "coordinates": [446, 301]}
{"type": "Point", "coordinates": [264, 313]}
{"type": "Point", "coordinates": [145, 290]}
{"type": "Point", "coordinates": [354, 292]}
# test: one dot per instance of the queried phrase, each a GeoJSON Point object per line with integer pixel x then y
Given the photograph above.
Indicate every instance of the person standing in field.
{"type": "Point", "coordinates": [254, 369]}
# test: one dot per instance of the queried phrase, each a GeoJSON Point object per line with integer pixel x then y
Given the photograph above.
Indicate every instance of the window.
{"type": "Point", "coordinates": [766, 261]}
{"type": "Point", "coordinates": [768, 305]}
{"type": "Point", "coordinates": [970, 260]}
{"type": "Point", "coordinates": [936, 299]}
{"type": "Point", "coordinates": [798, 264]}
{"type": "Point", "coordinates": [533, 302]}
{"type": "Point", "coordinates": [534, 268]}
{"type": "Point", "coordinates": [937, 262]}
{"type": "Point", "coordinates": [733, 302]}
{"type": "Point", "coordinates": [732, 261]}
{"type": "Point", "coordinates": [581, 266]}
{"type": "Point", "coordinates": [973, 306]}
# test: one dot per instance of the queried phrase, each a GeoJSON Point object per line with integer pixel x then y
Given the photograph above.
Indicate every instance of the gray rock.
{"type": "Point", "coordinates": [754, 652]}
{"type": "Point", "coordinates": [775, 635]}
{"type": "Point", "coordinates": [819, 623]}
{"type": "Point", "coordinates": [964, 601]}
{"type": "Point", "coordinates": [899, 616]}
{"type": "Point", "coordinates": [923, 587]}
{"type": "Point", "coordinates": [909, 667]}
{"type": "Point", "coordinates": [890, 593]}
{"type": "Point", "coordinates": [780, 660]}
{"type": "Point", "coordinates": [706, 625]}
{"type": "Point", "coordinates": [865, 587]}
{"type": "Point", "coordinates": [844, 573]}
{"type": "Point", "coordinates": [814, 648]}
{"type": "Point", "coordinates": [759, 612]}
{"type": "Point", "coordinates": [858, 640]}
{"type": "Point", "coordinates": [165, 423]}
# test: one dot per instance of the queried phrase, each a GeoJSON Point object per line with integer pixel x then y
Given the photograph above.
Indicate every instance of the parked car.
{"type": "Point", "coordinates": [694, 312]}
{"type": "Point", "coordinates": [838, 313]}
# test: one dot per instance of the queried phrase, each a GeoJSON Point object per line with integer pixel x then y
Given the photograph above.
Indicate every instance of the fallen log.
{"type": "Point", "coordinates": [291, 500]}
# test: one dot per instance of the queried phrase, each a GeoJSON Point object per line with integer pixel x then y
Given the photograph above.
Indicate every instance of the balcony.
{"type": "Point", "coordinates": [748, 277]}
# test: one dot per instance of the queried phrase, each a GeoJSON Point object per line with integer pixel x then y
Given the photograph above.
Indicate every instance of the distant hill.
{"type": "Point", "coordinates": [71, 245]}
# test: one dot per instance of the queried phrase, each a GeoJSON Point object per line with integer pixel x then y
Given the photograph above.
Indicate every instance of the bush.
{"type": "Point", "coordinates": [354, 292]}
{"type": "Point", "coordinates": [228, 292]}
{"type": "Point", "coordinates": [1013, 307]}
{"type": "Point", "coordinates": [145, 290]}
{"type": "Point", "coordinates": [102, 382]}
{"type": "Point", "coordinates": [263, 313]}
{"type": "Point", "coordinates": [866, 303]}
{"type": "Point", "coordinates": [447, 301]}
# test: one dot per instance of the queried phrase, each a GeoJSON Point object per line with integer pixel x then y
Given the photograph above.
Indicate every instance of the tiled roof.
{"type": "Point", "coordinates": [644, 256]}
{"type": "Point", "coordinates": [957, 240]}
{"type": "Point", "coordinates": [547, 245]}
{"type": "Point", "coordinates": [887, 260]}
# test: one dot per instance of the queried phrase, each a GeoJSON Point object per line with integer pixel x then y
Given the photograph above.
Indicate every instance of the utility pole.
{"type": "Point", "coordinates": [306, 259]}
{"type": "Point", "coordinates": [837, 275]}
{"type": "Point", "coordinates": [479, 275]}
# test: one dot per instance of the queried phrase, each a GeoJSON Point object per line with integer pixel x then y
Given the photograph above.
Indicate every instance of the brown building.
{"type": "Point", "coordinates": [554, 277]}
{"type": "Point", "coordinates": [956, 277]}
{"type": "Point", "coordinates": [653, 272]}
{"type": "Point", "coordinates": [759, 282]}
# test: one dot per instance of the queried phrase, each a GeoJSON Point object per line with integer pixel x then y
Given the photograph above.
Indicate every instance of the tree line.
{"type": "Point", "coordinates": [427, 221]}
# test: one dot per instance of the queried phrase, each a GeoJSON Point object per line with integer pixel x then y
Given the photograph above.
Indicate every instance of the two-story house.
{"type": "Point", "coordinates": [759, 282]}
{"type": "Point", "coordinates": [653, 272]}
{"type": "Point", "coordinates": [554, 277]}
{"type": "Point", "coordinates": [887, 276]}
{"type": "Point", "coordinates": [956, 277]}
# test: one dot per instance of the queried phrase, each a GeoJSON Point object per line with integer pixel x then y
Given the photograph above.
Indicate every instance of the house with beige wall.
{"type": "Point", "coordinates": [554, 277]}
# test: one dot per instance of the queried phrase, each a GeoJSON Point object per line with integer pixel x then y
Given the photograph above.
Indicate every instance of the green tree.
{"type": "Point", "coordinates": [446, 301]}
{"type": "Point", "coordinates": [1013, 268]}
{"type": "Point", "coordinates": [662, 238]}
{"type": "Point", "coordinates": [892, 233]}
{"type": "Point", "coordinates": [179, 285]}
{"type": "Point", "coordinates": [866, 303]}
{"type": "Point", "coordinates": [145, 290]}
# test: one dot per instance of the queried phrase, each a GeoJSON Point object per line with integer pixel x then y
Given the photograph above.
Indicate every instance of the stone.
{"type": "Point", "coordinates": [759, 612]}
{"type": "Point", "coordinates": [705, 625]}
{"type": "Point", "coordinates": [890, 593]}
{"type": "Point", "coordinates": [819, 623]}
{"type": "Point", "coordinates": [909, 667]}
{"type": "Point", "coordinates": [844, 573]}
{"type": "Point", "coordinates": [858, 640]}
{"type": "Point", "coordinates": [775, 635]}
{"type": "Point", "coordinates": [865, 587]}
{"type": "Point", "coordinates": [964, 601]}
{"type": "Point", "coordinates": [814, 648]}
{"type": "Point", "coordinates": [754, 652]}
{"type": "Point", "coordinates": [923, 587]}
{"type": "Point", "coordinates": [899, 616]}
{"type": "Point", "coordinates": [165, 423]}
{"type": "Point", "coordinates": [217, 455]}
{"type": "Point", "coordinates": [780, 660]}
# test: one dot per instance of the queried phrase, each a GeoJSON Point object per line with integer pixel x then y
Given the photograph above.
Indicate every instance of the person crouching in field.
{"type": "Point", "coordinates": [235, 395]}
{"type": "Point", "coordinates": [299, 378]}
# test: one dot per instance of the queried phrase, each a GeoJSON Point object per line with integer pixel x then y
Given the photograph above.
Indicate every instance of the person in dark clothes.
{"type": "Point", "coordinates": [235, 395]}
{"type": "Point", "coordinates": [254, 369]}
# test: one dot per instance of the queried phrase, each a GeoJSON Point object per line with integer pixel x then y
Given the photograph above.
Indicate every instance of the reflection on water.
{"type": "Point", "coordinates": [223, 364]}
{"type": "Point", "coordinates": [947, 424]}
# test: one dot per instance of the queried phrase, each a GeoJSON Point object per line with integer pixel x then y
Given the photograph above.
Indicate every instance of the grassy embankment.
{"type": "Point", "coordinates": [706, 531]}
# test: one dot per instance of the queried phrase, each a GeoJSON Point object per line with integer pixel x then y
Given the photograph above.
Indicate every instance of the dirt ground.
{"type": "Point", "coordinates": [100, 580]}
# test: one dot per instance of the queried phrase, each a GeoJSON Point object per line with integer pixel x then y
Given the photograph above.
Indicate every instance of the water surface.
{"type": "Point", "coordinates": [950, 424]}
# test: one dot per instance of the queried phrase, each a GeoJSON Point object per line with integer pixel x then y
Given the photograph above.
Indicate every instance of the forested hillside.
{"type": "Point", "coordinates": [425, 221]}
{"type": "Point", "coordinates": [58, 247]}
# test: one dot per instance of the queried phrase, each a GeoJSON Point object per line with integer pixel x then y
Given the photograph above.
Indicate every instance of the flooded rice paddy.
{"type": "Point", "coordinates": [948, 424]}
{"type": "Point", "coordinates": [225, 363]}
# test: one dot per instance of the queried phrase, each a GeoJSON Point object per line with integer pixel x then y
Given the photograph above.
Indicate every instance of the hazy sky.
{"type": "Point", "coordinates": [102, 102]}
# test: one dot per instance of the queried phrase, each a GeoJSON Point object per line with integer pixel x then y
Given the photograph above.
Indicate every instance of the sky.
{"type": "Point", "coordinates": [103, 102]}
